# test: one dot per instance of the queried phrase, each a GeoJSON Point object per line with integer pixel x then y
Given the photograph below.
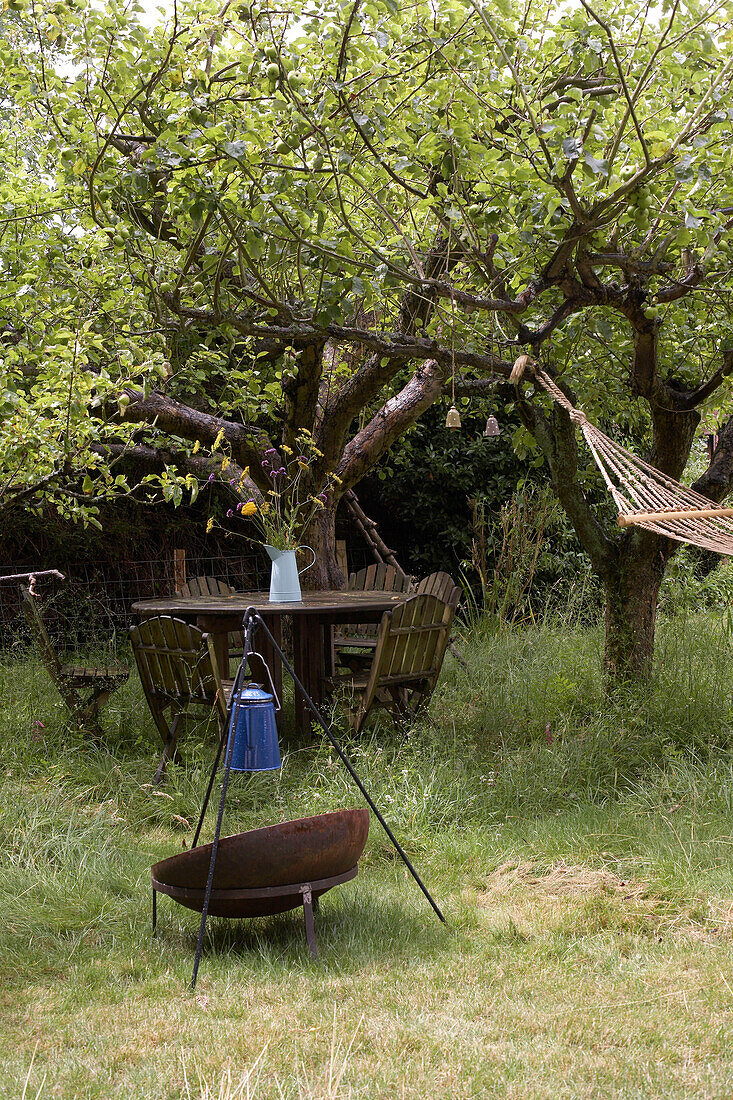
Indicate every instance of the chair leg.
{"type": "Point", "coordinates": [84, 720]}
{"type": "Point", "coordinates": [94, 704]}
{"type": "Point", "coordinates": [168, 750]}
{"type": "Point", "coordinates": [458, 655]}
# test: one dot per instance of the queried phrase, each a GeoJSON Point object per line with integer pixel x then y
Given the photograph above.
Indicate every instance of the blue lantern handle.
{"type": "Point", "coordinates": [254, 653]}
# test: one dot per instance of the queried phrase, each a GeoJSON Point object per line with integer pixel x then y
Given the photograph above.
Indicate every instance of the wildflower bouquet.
{"type": "Point", "coordinates": [286, 509]}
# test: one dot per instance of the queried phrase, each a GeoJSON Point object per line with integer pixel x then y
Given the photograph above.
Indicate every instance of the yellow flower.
{"type": "Point", "coordinates": [288, 450]}
{"type": "Point", "coordinates": [218, 440]}
{"type": "Point", "coordinates": [209, 524]}
{"type": "Point", "coordinates": [197, 446]}
{"type": "Point", "coordinates": [224, 463]}
{"type": "Point", "coordinates": [265, 507]}
{"type": "Point", "coordinates": [249, 509]}
{"type": "Point", "coordinates": [303, 465]}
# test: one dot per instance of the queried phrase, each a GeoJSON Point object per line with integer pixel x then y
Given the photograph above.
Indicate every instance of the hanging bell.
{"type": "Point", "coordinates": [453, 419]}
{"type": "Point", "coordinates": [253, 728]}
{"type": "Point", "coordinates": [492, 427]}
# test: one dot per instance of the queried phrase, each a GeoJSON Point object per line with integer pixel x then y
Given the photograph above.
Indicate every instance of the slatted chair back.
{"type": "Point", "coordinates": [441, 585]}
{"type": "Point", "coordinates": [40, 637]}
{"type": "Point", "coordinates": [411, 644]}
{"type": "Point", "coordinates": [177, 667]}
{"type": "Point", "coordinates": [205, 586]}
{"type": "Point", "coordinates": [210, 586]}
{"type": "Point", "coordinates": [378, 578]}
{"type": "Point", "coordinates": [374, 578]}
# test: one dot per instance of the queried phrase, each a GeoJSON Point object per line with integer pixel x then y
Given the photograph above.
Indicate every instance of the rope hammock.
{"type": "Point", "coordinates": [644, 496]}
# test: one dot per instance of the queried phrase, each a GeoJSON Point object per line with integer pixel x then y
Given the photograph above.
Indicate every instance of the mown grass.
{"type": "Point", "coordinates": [580, 846]}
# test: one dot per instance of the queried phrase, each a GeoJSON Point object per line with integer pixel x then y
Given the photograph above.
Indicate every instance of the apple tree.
{"type": "Point", "coordinates": [337, 215]}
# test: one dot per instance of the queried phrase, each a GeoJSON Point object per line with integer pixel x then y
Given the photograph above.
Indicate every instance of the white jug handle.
{"type": "Point", "coordinates": [310, 563]}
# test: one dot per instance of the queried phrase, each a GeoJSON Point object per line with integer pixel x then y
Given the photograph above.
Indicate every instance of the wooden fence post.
{"type": "Point", "coordinates": [179, 569]}
{"type": "Point", "coordinates": [341, 559]}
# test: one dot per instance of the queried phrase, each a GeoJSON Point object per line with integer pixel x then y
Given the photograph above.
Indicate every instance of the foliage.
{"type": "Point", "coordinates": [695, 582]}
{"type": "Point", "coordinates": [420, 492]}
{"type": "Point", "coordinates": [330, 256]}
{"type": "Point", "coordinates": [426, 492]}
{"type": "Point", "coordinates": [68, 337]}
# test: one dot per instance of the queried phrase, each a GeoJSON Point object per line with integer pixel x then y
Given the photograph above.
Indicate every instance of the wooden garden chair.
{"type": "Point", "coordinates": [355, 643]}
{"type": "Point", "coordinates": [443, 586]}
{"type": "Point", "coordinates": [211, 586]}
{"type": "Point", "coordinates": [84, 688]}
{"type": "Point", "coordinates": [408, 656]}
{"type": "Point", "coordinates": [178, 670]}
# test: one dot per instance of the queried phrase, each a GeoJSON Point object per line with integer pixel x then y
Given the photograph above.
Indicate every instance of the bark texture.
{"type": "Point", "coordinates": [632, 592]}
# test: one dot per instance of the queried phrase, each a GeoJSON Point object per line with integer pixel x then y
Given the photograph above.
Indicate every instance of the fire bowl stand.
{"type": "Point", "coordinates": [309, 892]}
{"type": "Point", "coordinates": [252, 620]}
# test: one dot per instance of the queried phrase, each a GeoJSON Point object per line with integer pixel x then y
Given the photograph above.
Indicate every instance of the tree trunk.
{"type": "Point", "coordinates": [320, 535]}
{"type": "Point", "coordinates": [632, 591]}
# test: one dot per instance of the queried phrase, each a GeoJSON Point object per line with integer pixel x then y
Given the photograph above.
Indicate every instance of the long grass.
{"type": "Point", "coordinates": [579, 843]}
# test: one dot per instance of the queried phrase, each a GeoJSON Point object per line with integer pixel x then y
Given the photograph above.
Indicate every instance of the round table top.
{"type": "Point", "coordinates": [313, 603]}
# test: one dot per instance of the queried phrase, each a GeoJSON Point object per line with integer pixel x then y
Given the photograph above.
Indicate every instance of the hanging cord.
{"type": "Point", "coordinates": [645, 497]}
{"type": "Point", "coordinates": [452, 346]}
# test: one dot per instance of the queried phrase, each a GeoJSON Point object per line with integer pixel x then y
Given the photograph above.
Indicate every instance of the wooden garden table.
{"type": "Point", "coordinates": [313, 619]}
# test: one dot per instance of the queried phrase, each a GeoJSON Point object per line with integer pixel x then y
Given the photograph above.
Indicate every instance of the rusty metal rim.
{"type": "Point", "coordinates": [291, 889]}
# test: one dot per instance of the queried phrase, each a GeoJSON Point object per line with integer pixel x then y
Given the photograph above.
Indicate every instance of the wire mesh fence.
{"type": "Point", "coordinates": [91, 609]}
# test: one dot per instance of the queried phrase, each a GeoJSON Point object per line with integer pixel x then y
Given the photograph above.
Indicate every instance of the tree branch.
{"type": "Point", "coordinates": [694, 398]}
{"type": "Point", "coordinates": [247, 444]}
{"type": "Point", "coordinates": [395, 416]}
{"type": "Point", "coordinates": [717, 481]}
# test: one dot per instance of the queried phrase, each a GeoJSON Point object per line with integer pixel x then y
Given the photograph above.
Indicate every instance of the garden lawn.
{"type": "Point", "coordinates": [580, 847]}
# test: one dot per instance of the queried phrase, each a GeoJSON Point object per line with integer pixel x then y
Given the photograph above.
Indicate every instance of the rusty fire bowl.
{"type": "Point", "coordinates": [293, 853]}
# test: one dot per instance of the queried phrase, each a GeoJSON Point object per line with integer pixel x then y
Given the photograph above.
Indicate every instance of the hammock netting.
{"type": "Point", "coordinates": [644, 496]}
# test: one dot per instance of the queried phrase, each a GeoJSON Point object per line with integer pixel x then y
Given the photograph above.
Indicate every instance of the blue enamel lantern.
{"type": "Point", "coordinates": [254, 730]}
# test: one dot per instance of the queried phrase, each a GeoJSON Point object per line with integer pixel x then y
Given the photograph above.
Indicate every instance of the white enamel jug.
{"type": "Point", "coordinates": [284, 583]}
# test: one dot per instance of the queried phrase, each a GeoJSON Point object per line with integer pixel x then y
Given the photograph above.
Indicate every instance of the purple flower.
{"type": "Point", "coordinates": [232, 481]}
{"type": "Point", "coordinates": [323, 497]}
{"type": "Point", "coordinates": [230, 513]}
{"type": "Point", "coordinates": [302, 458]}
{"type": "Point", "coordinates": [271, 451]}
{"type": "Point", "coordinates": [264, 464]}
{"type": "Point", "coordinates": [212, 477]}
{"type": "Point", "coordinates": [240, 506]}
{"type": "Point", "coordinates": [282, 470]}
